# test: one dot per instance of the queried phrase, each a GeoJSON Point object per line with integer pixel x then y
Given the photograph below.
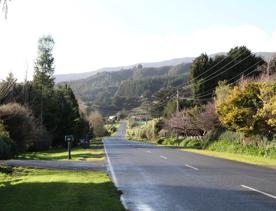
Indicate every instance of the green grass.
{"type": "Point", "coordinates": [94, 153]}
{"type": "Point", "coordinates": [42, 189]}
{"type": "Point", "coordinates": [237, 157]}
{"type": "Point", "coordinates": [263, 150]}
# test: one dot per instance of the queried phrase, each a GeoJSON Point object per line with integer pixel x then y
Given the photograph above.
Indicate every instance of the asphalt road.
{"type": "Point", "coordinates": [161, 178]}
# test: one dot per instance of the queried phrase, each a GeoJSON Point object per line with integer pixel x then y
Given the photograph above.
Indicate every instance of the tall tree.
{"type": "Point", "coordinates": [198, 73]}
{"type": "Point", "coordinates": [43, 82]}
{"type": "Point", "coordinates": [7, 88]}
{"type": "Point", "coordinates": [206, 72]}
{"type": "Point", "coordinates": [68, 117]}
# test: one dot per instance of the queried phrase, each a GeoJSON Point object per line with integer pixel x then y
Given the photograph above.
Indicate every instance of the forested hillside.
{"type": "Point", "coordinates": [77, 76]}
{"type": "Point", "coordinates": [110, 92]}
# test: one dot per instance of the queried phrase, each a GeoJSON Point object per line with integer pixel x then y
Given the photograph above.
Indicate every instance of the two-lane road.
{"type": "Point", "coordinates": [160, 178]}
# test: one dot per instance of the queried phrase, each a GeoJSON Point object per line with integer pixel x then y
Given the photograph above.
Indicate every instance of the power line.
{"type": "Point", "coordinates": [222, 71]}
{"type": "Point", "coordinates": [208, 91]}
{"type": "Point", "coordinates": [200, 97]}
{"type": "Point", "coordinates": [215, 72]}
{"type": "Point", "coordinates": [177, 101]}
{"type": "Point", "coordinates": [217, 65]}
{"type": "Point", "coordinates": [211, 69]}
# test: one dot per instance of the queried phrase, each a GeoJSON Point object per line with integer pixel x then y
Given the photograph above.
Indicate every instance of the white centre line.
{"type": "Point", "coordinates": [191, 167]}
{"type": "Point", "coordinates": [148, 151]}
{"type": "Point", "coordinates": [259, 191]}
{"type": "Point", "coordinates": [161, 156]}
{"type": "Point", "coordinates": [110, 167]}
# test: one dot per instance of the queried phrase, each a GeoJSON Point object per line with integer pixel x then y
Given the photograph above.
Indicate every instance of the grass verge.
{"type": "Point", "coordinates": [42, 189]}
{"type": "Point", "coordinates": [94, 153]}
{"type": "Point", "coordinates": [237, 157]}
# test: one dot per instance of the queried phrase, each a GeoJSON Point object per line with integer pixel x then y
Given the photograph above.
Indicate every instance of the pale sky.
{"type": "Point", "coordinates": [91, 34]}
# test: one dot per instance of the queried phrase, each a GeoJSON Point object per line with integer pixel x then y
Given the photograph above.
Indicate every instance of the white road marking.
{"type": "Point", "coordinates": [148, 151]}
{"type": "Point", "coordinates": [191, 167]}
{"type": "Point", "coordinates": [259, 191]}
{"type": "Point", "coordinates": [111, 168]}
{"type": "Point", "coordinates": [161, 156]}
{"type": "Point", "coordinates": [114, 178]}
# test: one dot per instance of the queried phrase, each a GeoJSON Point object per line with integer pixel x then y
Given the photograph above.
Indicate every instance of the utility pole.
{"type": "Point", "coordinates": [268, 68]}
{"type": "Point", "coordinates": [25, 86]}
{"type": "Point", "coordinates": [177, 101]}
{"type": "Point", "coordinates": [41, 107]}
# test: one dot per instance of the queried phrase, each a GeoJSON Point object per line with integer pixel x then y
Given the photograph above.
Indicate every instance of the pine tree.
{"type": "Point", "coordinates": [43, 82]}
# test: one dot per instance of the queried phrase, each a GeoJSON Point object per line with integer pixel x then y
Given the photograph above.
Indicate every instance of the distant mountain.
{"type": "Point", "coordinates": [83, 75]}
{"type": "Point", "coordinates": [265, 55]}
{"type": "Point", "coordinates": [172, 62]}
{"type": "Point", "coordinates": [77, 76]}
{"type": "Point", "coordinates": [111, 91]}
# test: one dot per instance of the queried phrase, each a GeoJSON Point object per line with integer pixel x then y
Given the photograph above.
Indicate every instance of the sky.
{"type": "Point", "coordinates": [91, 34]}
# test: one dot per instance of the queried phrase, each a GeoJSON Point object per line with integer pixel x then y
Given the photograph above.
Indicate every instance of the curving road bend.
{"type": "Point", "coordinates": [159, 178]}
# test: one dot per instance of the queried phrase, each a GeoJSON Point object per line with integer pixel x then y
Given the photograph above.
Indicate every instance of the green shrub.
{"type": "Point", "coordinates": [211, 136]}
{"type": "Point", "coordinates": [190, 143]}
{"type": "Point", "coordinates": [184, 143]}
{"type": "Point", "coordinates": [268, 150]}
{"type": "Point", "coordinates": [4, 150]}
{"type": "Point", "coordinates": [110, 129]}
{"type": "Point", "coordinates": [169, 141]}
{"type": "Point", "coordinates": [249, 108]}
{"type": "Point", "coordinates": [194, 144]}
{"type": "Point", "coordinates": [160, 141]}
{"type": "Point", "coordinates": [231, 136]}
{"type": "Point", "coordinates": [7, 146]}
{"type": "Point", "coordinates": [22, 126]}
{"type": "Point", "coordinates": [147, 131]}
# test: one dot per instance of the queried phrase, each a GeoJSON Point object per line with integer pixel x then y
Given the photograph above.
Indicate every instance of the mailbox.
{"type": "Point", "coordinates": [69, 138]}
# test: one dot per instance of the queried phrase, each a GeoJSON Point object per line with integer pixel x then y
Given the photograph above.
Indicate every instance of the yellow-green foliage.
{"type": "Point", "coordinates": [147, 131]}
{"type": "Point", "coordinates": [268, 97]}
{"type": "Point", "coordinates": [249, 108]}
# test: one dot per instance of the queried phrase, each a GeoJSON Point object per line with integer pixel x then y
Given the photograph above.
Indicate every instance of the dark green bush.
{"type": "Point", "coordinates": [7, 146]}
{"type": "Point", "coordinates": [211, 136]}
{"type": "Point", "coordinates": [194, 144]}
{"type": "Point", "coordinates": [160, 141]}
{"type": "Point", "coordinates": [184, 143]}
{"type": "Point", "coordinates": [169, 141]}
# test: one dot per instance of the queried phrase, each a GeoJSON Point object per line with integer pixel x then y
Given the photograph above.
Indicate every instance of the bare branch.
{"type": "Point", "coordinates": [4, 7]}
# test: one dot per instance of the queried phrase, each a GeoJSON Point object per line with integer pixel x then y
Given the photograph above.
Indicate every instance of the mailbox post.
{"type": "Point", "coordinates": [69, 139]}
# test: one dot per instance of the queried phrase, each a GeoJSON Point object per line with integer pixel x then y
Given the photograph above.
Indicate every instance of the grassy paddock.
{"type": "Point", "coordinates": [94, 153]}
{"type": "Point", "coordinates": [42, 189]}
{"type": "Point", "coordinates": [237, 157]}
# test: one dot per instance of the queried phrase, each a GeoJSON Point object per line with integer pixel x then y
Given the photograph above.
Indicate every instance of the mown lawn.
{"type": "Point", "coordinates": [94, 153]}
{"type": "Point", "coordinates": [42, 189]}
{"type": "Point", "coordinates": [237, 157]}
